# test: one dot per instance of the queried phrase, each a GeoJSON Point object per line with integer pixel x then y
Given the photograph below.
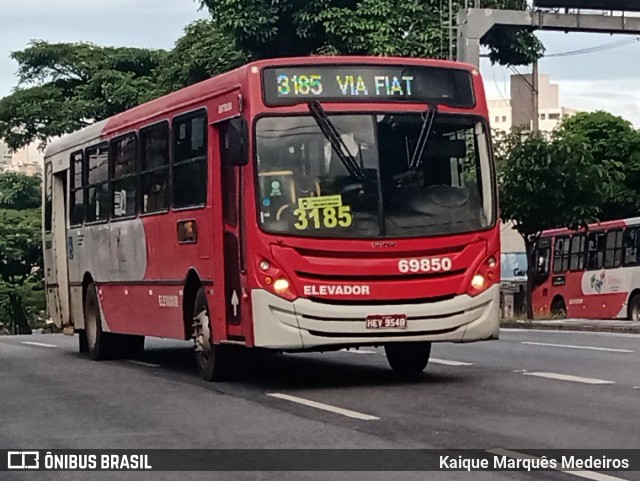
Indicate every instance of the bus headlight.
{"type": "Point", "coordinates": [281, 286]}
{"type": "Point", "coordinates": [478, 282]}
{"type": "Point", "coordinates": [486, 275]}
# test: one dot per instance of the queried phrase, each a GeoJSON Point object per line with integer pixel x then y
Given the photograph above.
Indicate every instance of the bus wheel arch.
{"type": "Point", "coordinates": [558, 308]}
{"type": "Point", "coordinates": [633, 306]}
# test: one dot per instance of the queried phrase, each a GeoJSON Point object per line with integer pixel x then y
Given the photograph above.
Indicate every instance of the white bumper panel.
{"type": "Point", "coordinates": [305, 324]}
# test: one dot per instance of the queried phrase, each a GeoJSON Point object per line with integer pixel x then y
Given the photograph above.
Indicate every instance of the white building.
{"type": "Point", "coordinates": [27, 160]}
{"type": "Point", "coordinates": [516, 111]}
{"type": "Point", "coordinates": [5, 156]}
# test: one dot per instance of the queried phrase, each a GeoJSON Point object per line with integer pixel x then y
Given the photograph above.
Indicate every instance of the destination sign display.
{"type": "Point", "coordinates": [358, 83]}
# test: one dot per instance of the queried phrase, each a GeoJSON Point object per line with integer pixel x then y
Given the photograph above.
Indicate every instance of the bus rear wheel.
{"type": "Point", "coordinates": [214, 360]}
{"type": "Point", "coordinates": [99, 345]}
{"type": "Point", "coordinates": [408, 358]}
{"type": "Point", "coordinates": [634, 308]}
{"type": "Point", "coordinates": [105, 345]}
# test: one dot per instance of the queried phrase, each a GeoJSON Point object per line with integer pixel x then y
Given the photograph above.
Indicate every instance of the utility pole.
{"type": "Point", "coordinates": [450, 29]}
{"type": "Point", "coordinates": [534, 97]}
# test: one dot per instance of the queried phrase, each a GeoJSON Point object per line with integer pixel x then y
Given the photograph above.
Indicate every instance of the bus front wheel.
{"type": "Point", "coordinates": [214, 363]}
{"type": "Point", "coordinates": [408, 358]}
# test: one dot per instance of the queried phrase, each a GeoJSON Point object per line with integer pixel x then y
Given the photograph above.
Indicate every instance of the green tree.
{"type": "Point", "coordinates": [611, 138]}
{"type": "Point", "coordinates": [66, 86]}
{"type": "Point", "coordinates": [552, 182]}
{"type": "Point", "coordinates": [203, 51]}
{"type": "Point", "coordinates": [409, 28]}
{"type": "Point", "coordinates": [21, 292]}
{"type": "Point", "coordinates": [19, 191]}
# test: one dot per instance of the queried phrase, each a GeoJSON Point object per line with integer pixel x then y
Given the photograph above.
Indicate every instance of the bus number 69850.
{"type": "Point", "coordinates": [428, 264]}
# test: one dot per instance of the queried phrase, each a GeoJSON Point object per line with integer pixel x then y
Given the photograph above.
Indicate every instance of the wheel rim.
{"type": "Point", "coordinates": [202, 335]}
{"type": "Point", "coordinates": [91, 327]}
{"type": "Point", "coordinates": [635, 312]}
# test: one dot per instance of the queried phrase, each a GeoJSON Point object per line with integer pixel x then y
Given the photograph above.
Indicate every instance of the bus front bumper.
{"type": "Point", "coordinates": [307, 325]}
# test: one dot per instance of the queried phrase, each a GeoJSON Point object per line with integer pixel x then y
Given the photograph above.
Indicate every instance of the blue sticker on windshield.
{"type": "Point", "coordinates": [266, 202]}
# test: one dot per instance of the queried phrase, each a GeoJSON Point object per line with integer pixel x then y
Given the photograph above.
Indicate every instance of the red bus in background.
{"type": "Point", "coordinates": [590, 273]}
{"type": "Point", "coordinates": [293, 204]}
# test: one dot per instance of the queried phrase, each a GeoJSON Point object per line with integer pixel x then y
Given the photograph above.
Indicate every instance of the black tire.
{"type": "Point", "coordinates": [83, 347]}
{"type": "Point", "coordinates": [634, 308]}
{"type": "Point", "coordinates": [99, 343]}
{"type": "Point", "coordinates": [408, 358]}
{"type": "Point", "coordinates": [558, 309]}
{"type": "Point", "coordinates": [214, 360]}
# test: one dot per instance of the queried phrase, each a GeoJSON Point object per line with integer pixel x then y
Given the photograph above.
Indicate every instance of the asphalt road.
{"type": "Point", "coordinates": [532, 389]}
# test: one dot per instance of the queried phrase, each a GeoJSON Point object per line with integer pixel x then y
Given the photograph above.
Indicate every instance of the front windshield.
{"type": "Point", "coordinates": [305, 188]}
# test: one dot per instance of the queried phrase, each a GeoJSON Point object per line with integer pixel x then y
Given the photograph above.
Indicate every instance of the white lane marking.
{"type": "Point", "coordinates": [567, 377]}
{"type": "Point", "coordinates": [445, 362]}
{"type": "Point", "coordinates": [582, 474]}
{"type": "Point", "coordinates": [141, 363]}
{"type": "Point", "coordinates": [324, 407]}
{"type": "Point", "coordinates": [571, 346]}
{"type": "Point", "coordinates": [358, 351]}
{"type": "Point", "coordinates": [40, 344]}
{"type": "Point", "coordinates": [568, 332]}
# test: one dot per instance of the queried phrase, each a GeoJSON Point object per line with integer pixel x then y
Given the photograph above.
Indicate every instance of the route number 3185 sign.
{"type": "Point", "coordinates": [322, 212]}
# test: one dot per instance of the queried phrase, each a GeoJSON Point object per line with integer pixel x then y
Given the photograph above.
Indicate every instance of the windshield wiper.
{"type": "Point", "coordinates": [333, 136]}
{"type": "Point", "coordinates": [425, 132]}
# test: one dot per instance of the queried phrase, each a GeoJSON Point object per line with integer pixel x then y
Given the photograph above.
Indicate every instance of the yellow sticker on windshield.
{"type": "Point", "coordinates": [320, 202]}
{"type": "Point", "coordinates": [322, 212]}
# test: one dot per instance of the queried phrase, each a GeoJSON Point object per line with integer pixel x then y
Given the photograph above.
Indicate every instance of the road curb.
{"type": "Point", "coordinates": [597, 326]}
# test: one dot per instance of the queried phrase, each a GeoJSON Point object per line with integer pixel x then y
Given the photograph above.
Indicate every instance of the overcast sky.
{"type": "Point", "coordinates": [608, 80]}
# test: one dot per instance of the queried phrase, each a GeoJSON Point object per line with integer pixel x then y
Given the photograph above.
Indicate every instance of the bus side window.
{"type": "Point", "coordinates": [630, 241]}
{"type": "Point", "coordinates": [97, 195]}
{"type": "Point", "coordinates": [154, 168]}
{"type": "Point", "coordinates": [123, 175]}
{"type": "Point", "coordinates": [76, 206]}
{"type": "Point", "coordinates": [561, 255]}
{"type": "Point", "coordinates": [576, 262]}
{"type": "Point", "coordinates": [613, 252]}
{"type": "Point", "coordinates": [595, 250]}
{"type": "Point", "coordinates": [190, 161]}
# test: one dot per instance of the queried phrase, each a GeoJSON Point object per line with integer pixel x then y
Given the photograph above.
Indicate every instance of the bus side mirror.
{"type": "Point", "coordinates": [235, 142]}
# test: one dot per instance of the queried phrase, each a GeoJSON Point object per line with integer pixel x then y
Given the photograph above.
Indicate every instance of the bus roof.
{"type": "Point", "coordinates": [213, 86]}
{"type": "Point", "coordinates": [611, 224]}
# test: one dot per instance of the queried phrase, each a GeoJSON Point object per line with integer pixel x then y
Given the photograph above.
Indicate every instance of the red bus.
{"type": "Point", "coordinates": [590, 273]}
{"type": "Point", "coordinates": [293, 204]}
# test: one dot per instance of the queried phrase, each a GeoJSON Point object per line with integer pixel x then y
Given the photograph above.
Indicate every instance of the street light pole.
{"type": "Point", "coordinates": [534, 97]}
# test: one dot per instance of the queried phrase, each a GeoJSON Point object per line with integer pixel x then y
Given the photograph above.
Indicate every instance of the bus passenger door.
{"type": "Point", "coordinates": [56, 274]}
{"type": "Point", "coordinates": [233, 230]}
{"type": "Point", "coordinates": [226, 121]}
